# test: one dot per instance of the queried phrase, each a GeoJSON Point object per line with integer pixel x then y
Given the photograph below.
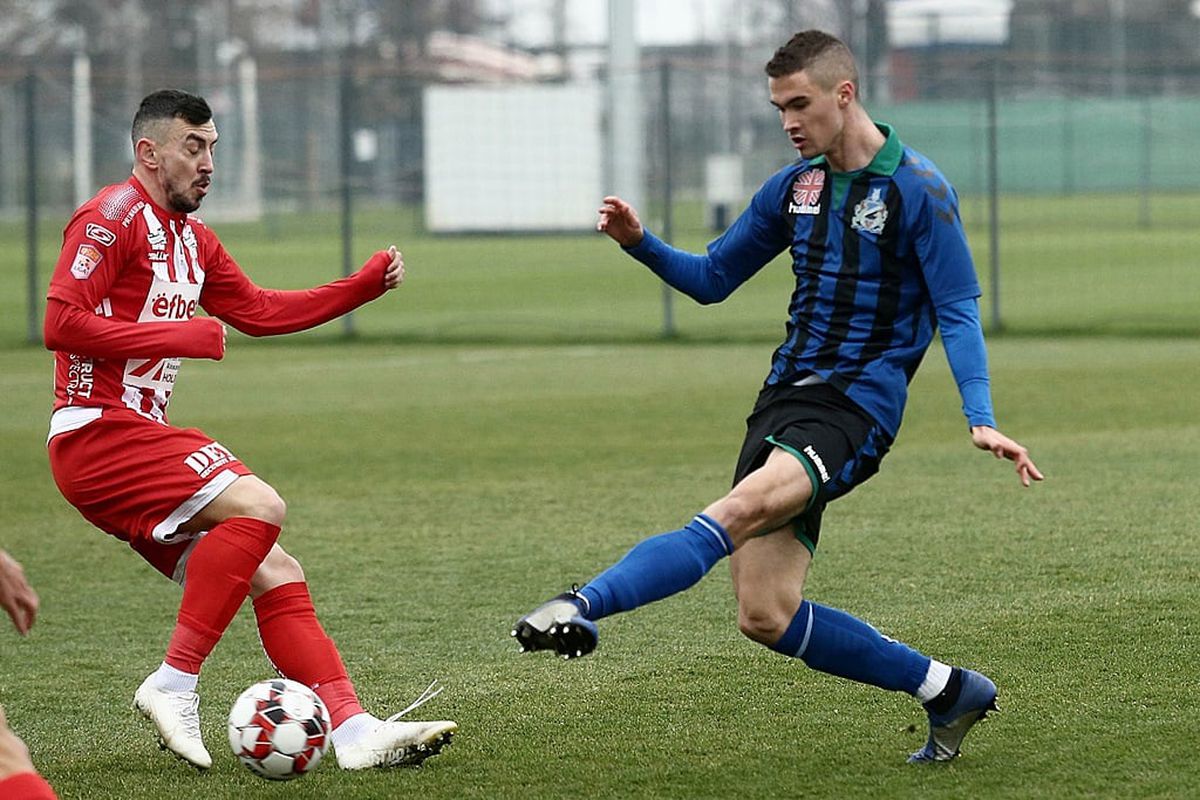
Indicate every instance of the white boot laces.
{"type": "Point", "coordinates": [427, 695]}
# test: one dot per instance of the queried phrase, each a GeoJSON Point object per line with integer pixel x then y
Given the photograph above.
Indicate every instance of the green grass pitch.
{"type": "Point", "coordinates": [508, 423]}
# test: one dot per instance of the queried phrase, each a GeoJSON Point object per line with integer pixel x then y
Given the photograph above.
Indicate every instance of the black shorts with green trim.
{"type": "Point", "coordinates": [839, 444]}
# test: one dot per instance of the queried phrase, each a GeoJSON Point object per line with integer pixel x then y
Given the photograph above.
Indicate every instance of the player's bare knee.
{"type": "Point", "coordinates": [740, 513]}
{"type": "Point", "coordinates": [278, 568]}
{"type": "Point", "coordinates": [264, 503]}
{"type": "Point", "coordinates": [762, 623]}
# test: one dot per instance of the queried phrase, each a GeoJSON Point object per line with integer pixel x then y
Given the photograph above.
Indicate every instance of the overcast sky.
{"type": "Point", "coordinates": [678, 21]}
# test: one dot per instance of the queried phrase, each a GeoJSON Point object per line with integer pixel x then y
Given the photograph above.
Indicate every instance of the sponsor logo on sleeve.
{"type": "Point", "coordinates": [87, 258]}
{"type": "Point", "coordinates": [100, 234]}
{"type": "Point", "coordinates": [133, 211]}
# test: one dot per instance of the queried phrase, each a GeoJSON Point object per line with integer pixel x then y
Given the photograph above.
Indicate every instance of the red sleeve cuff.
{"type": "Point", "coordinates": [26, 786]}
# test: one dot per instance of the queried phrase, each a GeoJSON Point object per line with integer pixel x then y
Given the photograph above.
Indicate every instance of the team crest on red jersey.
{"type": "Point", "coordinates": [806, 193]}
{"type": "Point", "coordinates": [87, 258]}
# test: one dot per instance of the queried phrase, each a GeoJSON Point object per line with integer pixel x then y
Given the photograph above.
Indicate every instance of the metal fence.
{"type": "Point", "coordinates": [308, 131]}
{"type": "Point", "coordinates": [284, 116]}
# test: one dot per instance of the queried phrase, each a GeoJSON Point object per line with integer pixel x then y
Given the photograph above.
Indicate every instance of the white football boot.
{"type": "Point", "coordinates": [176, 716]}
{"type": "Point", "coordinates": [395, 743]}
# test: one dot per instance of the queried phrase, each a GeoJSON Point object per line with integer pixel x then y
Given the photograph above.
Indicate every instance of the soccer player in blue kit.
{"type": "Point", "coordinates": [881, 261]}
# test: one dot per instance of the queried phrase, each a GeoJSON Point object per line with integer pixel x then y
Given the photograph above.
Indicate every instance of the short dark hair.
{"type": "Point", "coordinates": [824, 56]}
{"type": "Point", "coordinates": [167, 104]}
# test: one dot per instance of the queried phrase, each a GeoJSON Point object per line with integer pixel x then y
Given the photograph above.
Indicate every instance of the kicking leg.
{"type": "Point", "coordinates": [298, 648]}
{"type": "Point", "coordinates": [670, 562]}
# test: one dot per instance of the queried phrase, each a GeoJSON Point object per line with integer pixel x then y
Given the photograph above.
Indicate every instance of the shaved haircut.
{"type": "Point", "coordinates": [164, 106]}
{"type": "Point", "coordinates": [824, 57]}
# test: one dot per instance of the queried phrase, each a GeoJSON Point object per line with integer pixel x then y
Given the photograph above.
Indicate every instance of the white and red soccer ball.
{"type": "Point", "coordinates": [279, 729]}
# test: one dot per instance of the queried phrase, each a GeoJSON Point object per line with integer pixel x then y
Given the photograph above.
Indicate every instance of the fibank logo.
{"type": "Point", "coordinates": [817, 462]}
{"type": "Point", "coordinates": [133, 212]}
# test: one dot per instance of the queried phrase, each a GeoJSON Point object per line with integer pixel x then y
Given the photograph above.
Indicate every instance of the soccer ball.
{"type": "Point", "coordinates": [279, 729]}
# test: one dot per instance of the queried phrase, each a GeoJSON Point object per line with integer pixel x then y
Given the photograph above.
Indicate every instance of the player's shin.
{"type": "Point", "coordinates": [298, 647]}
{"type": "Point", "coordinates": [217, 581]}
{"type": "Point", "coordinates": [657, 567]}
{"type": "Point", "coordinates": [834, 642]}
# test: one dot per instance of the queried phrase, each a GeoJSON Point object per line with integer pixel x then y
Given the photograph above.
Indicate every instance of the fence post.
{"type": "Point", "coordinates": [81, 122]}
{"type": "Point", "coordinates": [1147, 152]}
{"type": "Point", "coordinates": [1068, 134]}
{"type": "Point", "coordinates": [345, 128]}
{"type": "Point", "coordinates": [668, 199]}
{"type": "Point", "coordinates": [993, 179]}
{"type": "Point", "coordinates": [32, 334]}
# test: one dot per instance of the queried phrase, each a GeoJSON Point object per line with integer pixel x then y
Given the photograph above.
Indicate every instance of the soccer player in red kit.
{"type": "Point", "coordinates": [121, 313]}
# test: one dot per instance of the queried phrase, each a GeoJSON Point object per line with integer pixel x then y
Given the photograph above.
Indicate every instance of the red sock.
{"type": "Point", "coordinates": [217, 581]}
{"type": "Point", "coordinates": [298, 647]}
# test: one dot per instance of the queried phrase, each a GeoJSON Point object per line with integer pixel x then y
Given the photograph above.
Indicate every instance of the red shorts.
{"type": "Point", "coordinates": [140, 480]}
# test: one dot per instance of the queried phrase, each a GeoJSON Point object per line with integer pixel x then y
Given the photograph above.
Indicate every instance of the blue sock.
{"type": "Point", "coordinates": [657, 567]}
{"type": "Point", "coordinates": [832, 641]}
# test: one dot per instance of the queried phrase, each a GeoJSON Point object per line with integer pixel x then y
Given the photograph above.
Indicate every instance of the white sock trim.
{"type": "Point", "coordinates": [935, 681]}
{"type": "Point", "coordinates": [169, 679]}
{"type": "Point", "coordinates": [708, 526]}
{"type": "Point", "coordinates": [353, 728]}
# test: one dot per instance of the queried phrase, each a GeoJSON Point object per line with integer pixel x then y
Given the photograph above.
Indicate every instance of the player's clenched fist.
{"type": "Point", "coordinates": [393, 276]}
{"type": "Point", "coordinates": [620, 221]}
{"type": "Point", "coordinates": [389, 264]}
{"type": "Point", "coordinates": [209, 339]}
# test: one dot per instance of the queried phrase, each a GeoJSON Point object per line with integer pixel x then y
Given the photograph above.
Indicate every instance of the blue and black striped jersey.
{"type": "Point", "coordinates": [875, 253]}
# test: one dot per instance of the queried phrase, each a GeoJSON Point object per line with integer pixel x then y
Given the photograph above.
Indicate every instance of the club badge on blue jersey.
{"type": "Point", "coordinates": [870, 214]}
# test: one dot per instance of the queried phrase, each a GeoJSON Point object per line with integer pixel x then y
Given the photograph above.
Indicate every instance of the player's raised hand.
{"type": "Point", "coordinates": [620, 221]}
{"type": "Point", "coordinates": [393, 276]}
{"type": "Point", "coordinates": [16, 595]}
{"type": "Point", "coordinates": [986, 438]}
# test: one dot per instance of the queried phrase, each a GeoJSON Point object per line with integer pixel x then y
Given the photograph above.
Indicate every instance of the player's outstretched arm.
{"type": "Point", "coordinates": [620, 221]}
{"type": "Point", "coordinates": [987, 438]}
{"type": "Point", "coordinates": [230, 295]}
{"type": "Point", "coordinates": [17, 597]}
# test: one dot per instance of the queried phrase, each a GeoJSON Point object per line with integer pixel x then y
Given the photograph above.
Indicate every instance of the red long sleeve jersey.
{"type": "Point", "coordinates": [126, 289]}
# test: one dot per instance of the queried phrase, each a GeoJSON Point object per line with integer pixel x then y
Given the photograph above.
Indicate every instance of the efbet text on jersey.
{"type": "Point", "coordinates": [178, 307]}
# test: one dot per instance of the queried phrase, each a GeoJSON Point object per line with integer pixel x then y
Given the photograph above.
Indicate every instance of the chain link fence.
{"type": "Point", "coordinates": [1059, 149]}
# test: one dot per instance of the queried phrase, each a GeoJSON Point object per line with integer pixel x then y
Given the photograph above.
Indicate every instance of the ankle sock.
{"type": "Point", "coordinates": [353, 728]}
{"type": "Point", "coordinates": [169, 679]}
{"type": "Point", "coordinates": [946, 699]}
